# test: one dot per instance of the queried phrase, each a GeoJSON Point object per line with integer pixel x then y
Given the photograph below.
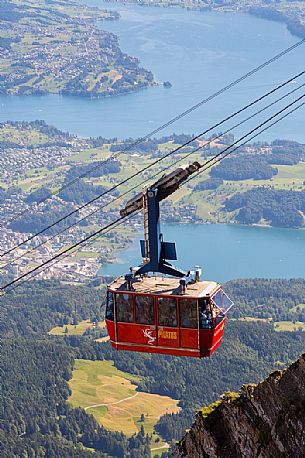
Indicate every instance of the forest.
{"type": "Point", "coordinates": [250, 350]}
{"type": "Point", "coordinates": [257, 164]}
{"type": "Point", "coordinates": [36, 419]}
{"type": "Point", "coordinates": [33, 309]}
{"type": "Point", "coordinates": [93, 170]}
{"type": "Point", "coordinates": [211, 183]}
{"type": "Point", "coordinates": [80, 192]}
{"type": "Point", "coordinates": [280, 208]}
{"type": "Point", "coordinates": [251, 166]}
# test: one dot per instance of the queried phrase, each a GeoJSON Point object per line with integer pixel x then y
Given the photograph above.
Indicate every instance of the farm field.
{"type": "Point", "coordinates": [74, 330]}
{"type": "Point", "coordinates": [250, 319]}
{"type": "Point", "coordinates": [111, 396]}
{"type": "Point", "coordinates": [290, 326]}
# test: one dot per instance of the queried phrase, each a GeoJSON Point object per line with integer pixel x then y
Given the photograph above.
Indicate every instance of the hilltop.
{"type": "Point", "coordinates": [263, 420]}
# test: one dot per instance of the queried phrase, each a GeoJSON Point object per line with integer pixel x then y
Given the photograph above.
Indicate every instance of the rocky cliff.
{"type": "Point", "coordinates": [264, 420]}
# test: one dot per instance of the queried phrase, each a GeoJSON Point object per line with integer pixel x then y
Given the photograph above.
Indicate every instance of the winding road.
{"type": "Point", "coordinates": [113, 403]}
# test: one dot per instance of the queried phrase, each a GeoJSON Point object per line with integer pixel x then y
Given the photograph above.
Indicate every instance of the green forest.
{"type": "Point", "coordinates": [37, 421]}
{"type": "Point", "coordinates": [280, 208]}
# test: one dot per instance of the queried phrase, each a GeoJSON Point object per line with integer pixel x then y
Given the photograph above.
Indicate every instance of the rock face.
{"type": "Point", "coordinates": [263, 421]}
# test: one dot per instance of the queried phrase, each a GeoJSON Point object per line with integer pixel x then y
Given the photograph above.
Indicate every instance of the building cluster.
{"type": "Point", "coordinates": [16, 159]}
{"type": "Point", "coordinates": [88, 61]}
{"type": "Point", "coordinates": [16, 162]}
{"type": "Point", "coordinates": [179, 213]}
{"type": "Point", "coordinates": [78, 266]}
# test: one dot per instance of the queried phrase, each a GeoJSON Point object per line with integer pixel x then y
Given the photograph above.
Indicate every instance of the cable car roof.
{"type": "Point", "coordinates": [164, 286]}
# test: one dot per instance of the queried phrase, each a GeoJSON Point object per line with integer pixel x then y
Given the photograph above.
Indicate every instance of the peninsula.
{"type": "Point", "coordinates": [57, 47]}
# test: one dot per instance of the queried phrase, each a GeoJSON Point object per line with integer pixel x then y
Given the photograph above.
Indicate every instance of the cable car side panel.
{"type": "Point", "coordinates": [210, 339]}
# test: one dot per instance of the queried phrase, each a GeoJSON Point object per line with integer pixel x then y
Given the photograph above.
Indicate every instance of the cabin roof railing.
{"type": "Point", "coordinates": [164, 286]}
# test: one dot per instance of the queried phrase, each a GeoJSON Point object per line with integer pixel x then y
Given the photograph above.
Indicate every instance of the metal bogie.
{"type": "Point", "coordinates": [166, 186]}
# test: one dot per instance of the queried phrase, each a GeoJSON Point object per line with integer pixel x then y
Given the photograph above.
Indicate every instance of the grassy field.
{"type": "Point", "coordinates": [22, 136]}
{"type": "Point", "coordinates": [282, 326]}
{"type": "Point", "coordinates": [74, 330]}
{"type": "Point", "coordinates": [110, 396]}
{"type": "Point", "coordinates": [250, 319]}
{"type": "Point", "coordinates": [297, 307]}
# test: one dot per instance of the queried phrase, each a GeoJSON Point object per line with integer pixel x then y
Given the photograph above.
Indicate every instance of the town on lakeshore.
{"type": "Point", "coordinates": [38, 160]}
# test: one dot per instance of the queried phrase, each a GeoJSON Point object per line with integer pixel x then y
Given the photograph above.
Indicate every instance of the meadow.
{"type": "Point", "coordinates": [74, 329]}
{"type": "Point", "coordinates": [111, 396]}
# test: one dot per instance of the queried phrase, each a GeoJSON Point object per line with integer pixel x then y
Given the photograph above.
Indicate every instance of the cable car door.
{"type": "Point", "coordinates": [168, 330]}
{"type": "Point", "coordinates": [145, 327]}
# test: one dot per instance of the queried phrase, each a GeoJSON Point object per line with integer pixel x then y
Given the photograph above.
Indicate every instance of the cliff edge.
{"type": "Point", "coordinates": [264, 420]}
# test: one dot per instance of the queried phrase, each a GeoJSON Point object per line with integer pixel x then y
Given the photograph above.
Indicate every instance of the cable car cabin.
{"type": "Point", "coordinates": [158, 315]}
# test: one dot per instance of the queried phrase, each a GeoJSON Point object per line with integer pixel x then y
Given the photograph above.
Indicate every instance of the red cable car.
{"type": "Point", "coordinates": [173, 313]}
{"type": "Point", "coordinates": [159, 316]}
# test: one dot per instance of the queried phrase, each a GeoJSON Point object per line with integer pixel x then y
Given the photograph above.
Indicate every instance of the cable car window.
{"type": "Point", "coordinates": [188, 313]}
{"type": "Point", "coordinates": [222, 301]}
{"type": "Point", "coordinates": [167, 311]}
{"type": "Point", "coordinates": [110, 306]}
{"type": "Point", "coordinates": [124, 307]}
{"type": "Point", "coordinates": [205, 314]}
{"type": "Point", "coordinates": [145, 310]}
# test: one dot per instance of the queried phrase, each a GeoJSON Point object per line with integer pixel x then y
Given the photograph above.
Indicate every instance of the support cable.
{"type": "Point", "coordinates": [71, 213]}
{"type": "Point", "coordinates": [176, 118]}
{"type": "Point", "coordinates": [152, 176]}
{"type": "Point", "coordinates": [209, 164]}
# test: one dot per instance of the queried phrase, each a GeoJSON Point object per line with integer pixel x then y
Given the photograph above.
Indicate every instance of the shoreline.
{"type": "Point", "coordinates": [260, 10]}
{"type": "Point", "coordinates": [117, 259]}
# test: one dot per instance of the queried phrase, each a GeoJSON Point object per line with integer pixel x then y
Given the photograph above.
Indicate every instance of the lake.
{"type": "Point", "coordinates": [198, 53]}
{"type": "Point", "coordinates": [227, 251]}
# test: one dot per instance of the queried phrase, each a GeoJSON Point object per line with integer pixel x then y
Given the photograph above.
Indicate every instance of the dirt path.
{"type": "Point", "coordinates": [113, 403]}
{"type": "Point", "coordinates": [166, 445]}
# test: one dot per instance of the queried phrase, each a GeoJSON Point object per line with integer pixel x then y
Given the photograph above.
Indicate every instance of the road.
{"type": "Point", "coordinates": [113, 403]}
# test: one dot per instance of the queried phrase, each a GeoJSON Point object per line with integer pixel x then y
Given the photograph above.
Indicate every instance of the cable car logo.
{"type": "Point", "coordinates": [167, 334]}
{"type": "Point", "coordinates": [148, 333]}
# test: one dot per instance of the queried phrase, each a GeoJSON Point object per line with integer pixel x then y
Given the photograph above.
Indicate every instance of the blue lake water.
{"type": "Point", "coordinates": [198, 53]}
{"type": "Point", "coordinates": [228, 251]}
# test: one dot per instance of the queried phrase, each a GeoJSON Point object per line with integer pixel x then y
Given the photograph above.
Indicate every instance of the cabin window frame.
{"type": "Point", "coordinates": [110, 293]}
{"type": "Point", "coordinates": [152, 321]}
{"type": "Point", "coordinates": [118, 311]}
{"type": "Point", "coordinates": [208, 318]}
{"type": "Point", "coordinates": [195, 305]}
{"type": "Point", "coordinates": [173, 298]}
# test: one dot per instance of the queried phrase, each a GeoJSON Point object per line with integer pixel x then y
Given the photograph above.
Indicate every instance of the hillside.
{"type": "Point", "coordinates": [40, 415]}
{"type": "Point", "coordinates": [263, 420]}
